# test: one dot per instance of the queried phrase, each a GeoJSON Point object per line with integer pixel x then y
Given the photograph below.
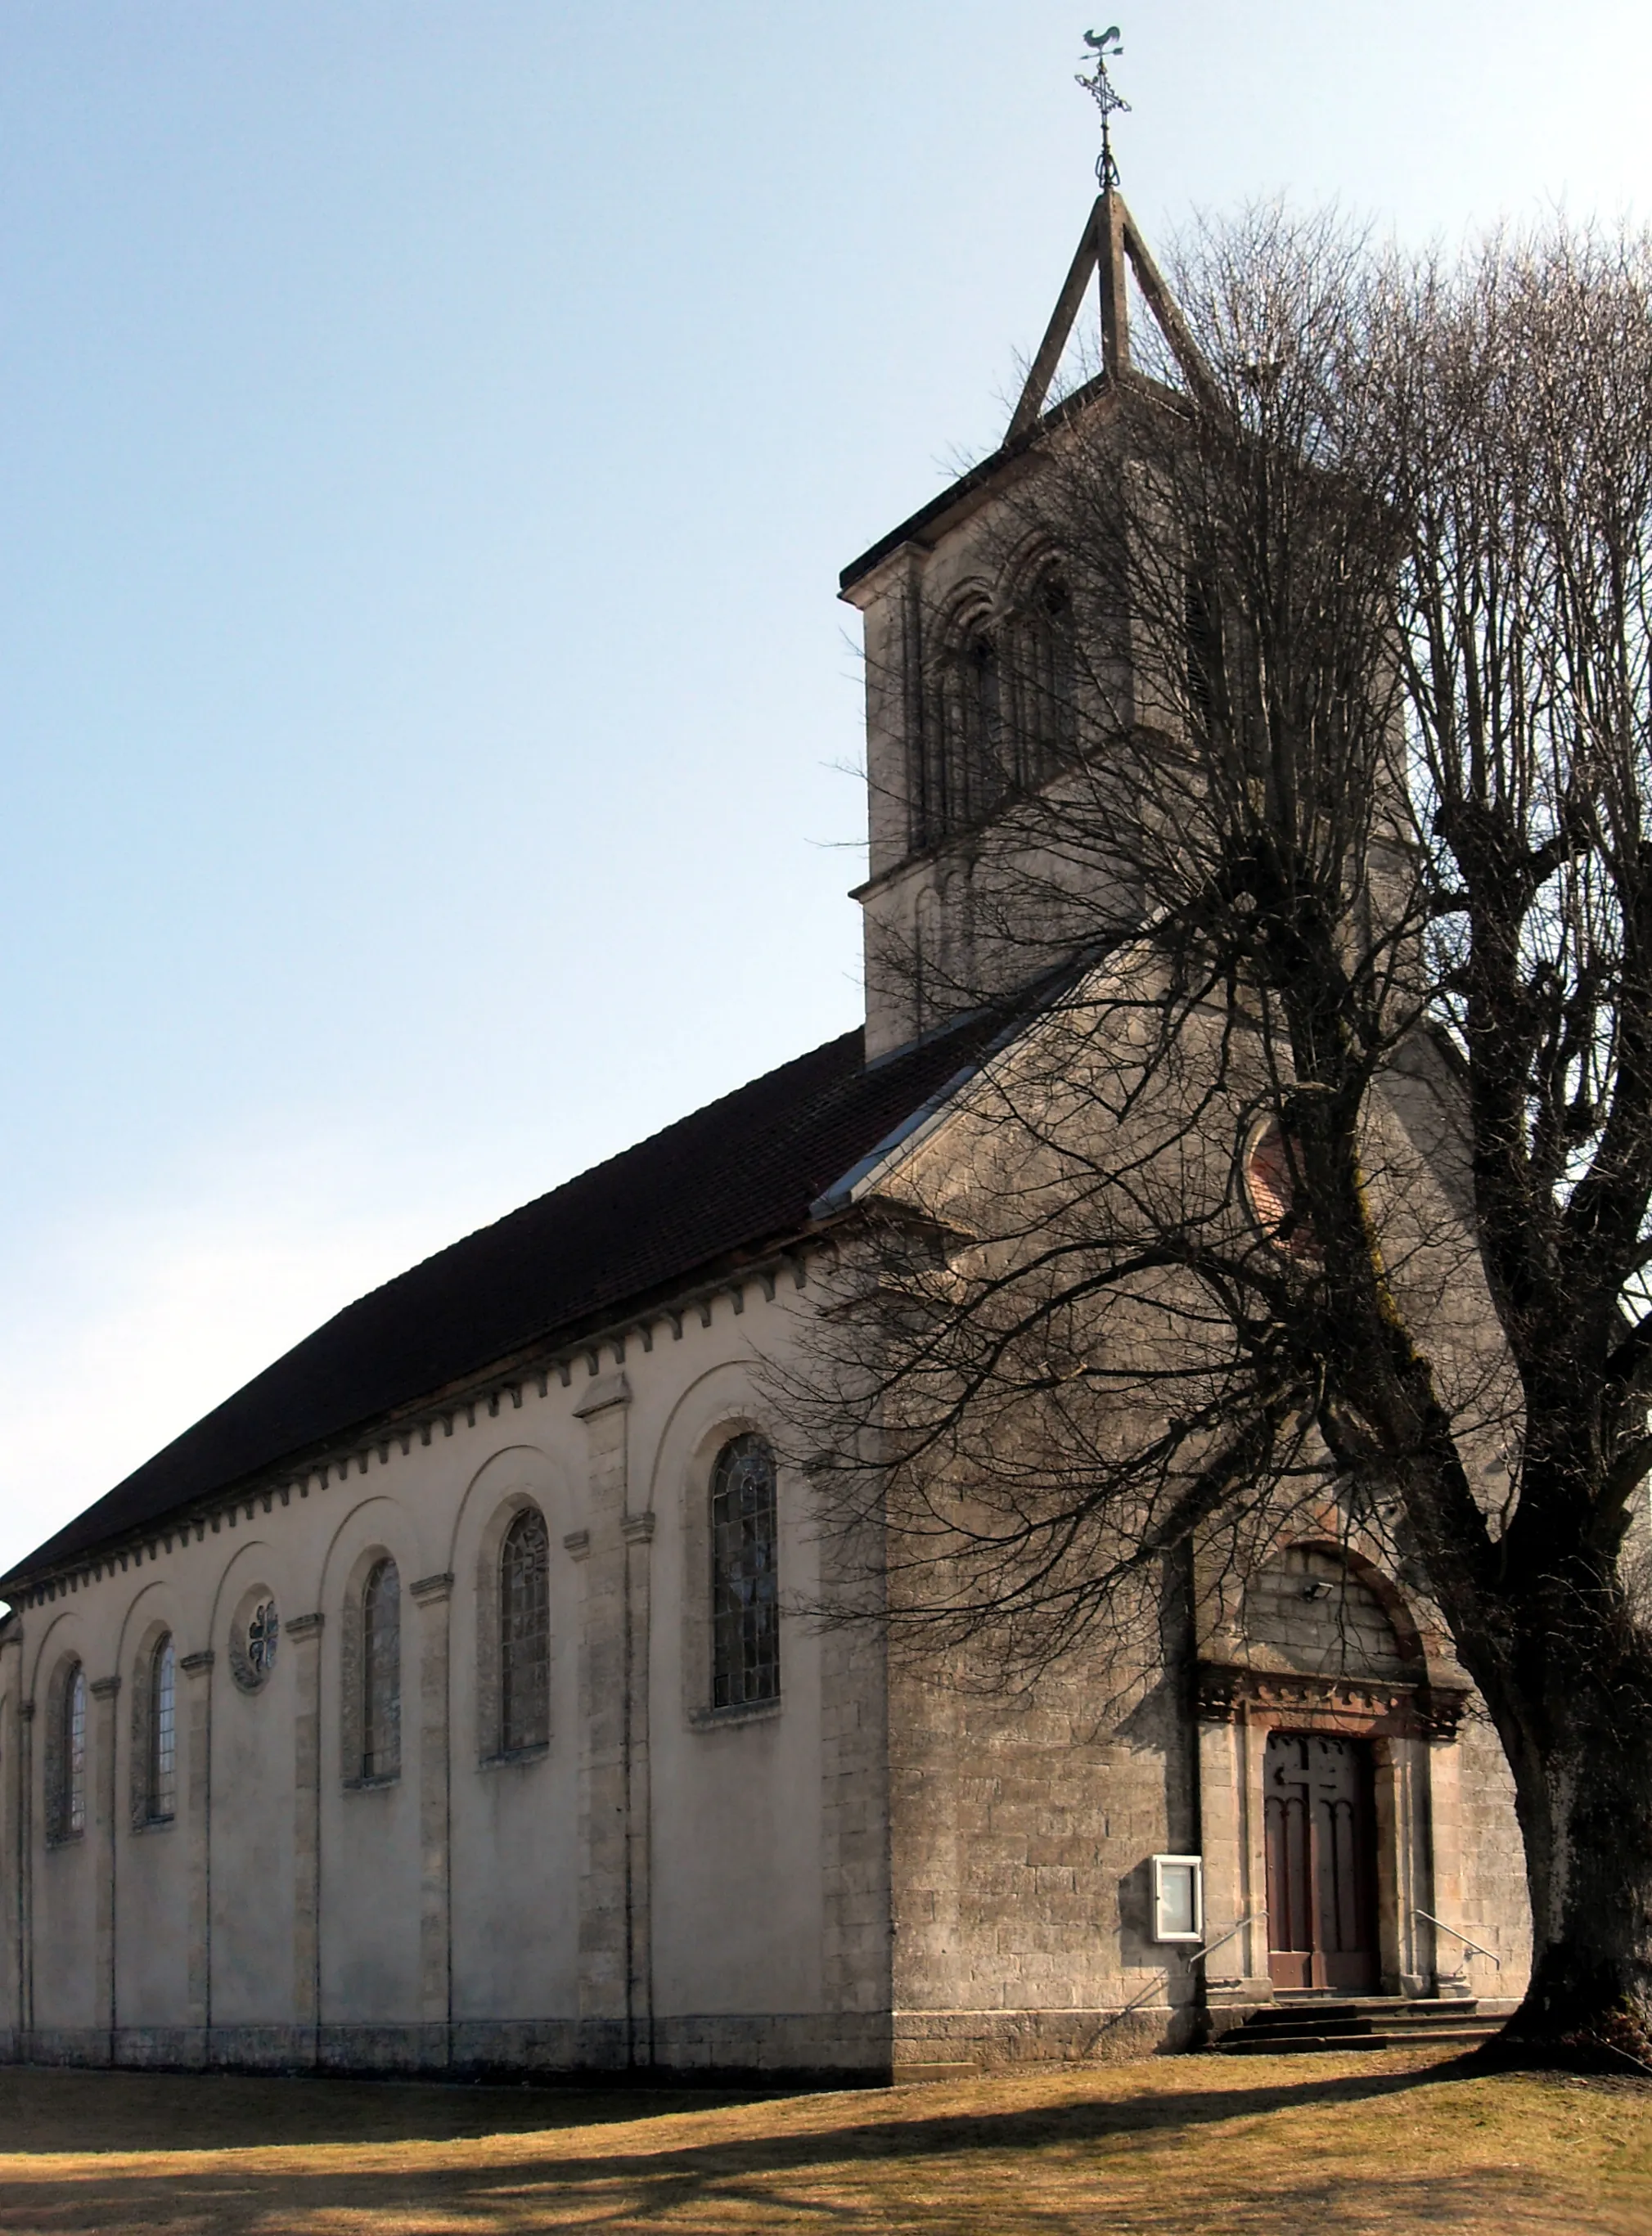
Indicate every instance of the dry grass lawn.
{"type": "Point", "coordinates": [1187, 2147]}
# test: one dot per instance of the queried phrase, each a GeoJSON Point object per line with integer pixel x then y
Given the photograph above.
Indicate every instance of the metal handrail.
{"type": "Point", "coordinates": [1163, 1979]}
{"type": "Point", "coordinates": [1209, 1948]}
{"type": "Point", "coordinates": [1430, 1918]}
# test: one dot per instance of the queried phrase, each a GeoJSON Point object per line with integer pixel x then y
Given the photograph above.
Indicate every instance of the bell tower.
{"type": "Point", "coordinates": [978, 661]}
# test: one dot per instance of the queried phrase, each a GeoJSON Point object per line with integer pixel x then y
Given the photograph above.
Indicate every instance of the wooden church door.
{"type": "Point", "coordinates": [1320, 1829]}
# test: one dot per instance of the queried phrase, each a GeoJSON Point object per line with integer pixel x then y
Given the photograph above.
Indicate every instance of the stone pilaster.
{"type": "Point", "coordinates": [604, 1833]}
{"type": "Point", "coordinates": [637, 1530]}
{"type": "Point", "coordinates": [1229, 1836]}
{"type": "Point", "coordinates": [1402, 1865]}
{"type": "Point", "coordinates": [1437, 1953]}
{"type": "Point", "coordinates": [1221, 1844]}
{"type": "Point", "coordinates": [26, 1871]}
{"type": "Point", "coordinates": [857, 1955]}
{"type": "Point", "coordinates": [433, 1596]}
{"type": "Point", "coordinates": [304, 1634]}
{"type": "Point", "coordinates": [14, 1844]}
{"type": "Point", "coordinates": [105, 1691]}
{"type": "Point", "coordinates": [197, 1668]}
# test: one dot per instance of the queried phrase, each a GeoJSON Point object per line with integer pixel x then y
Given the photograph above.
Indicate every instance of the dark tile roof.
{"type": "Point", "coordinates": [734, 1177]}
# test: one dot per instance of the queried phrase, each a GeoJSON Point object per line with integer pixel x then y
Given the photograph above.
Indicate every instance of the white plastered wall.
{"type": "Point", "coordinates": [537, 1910]}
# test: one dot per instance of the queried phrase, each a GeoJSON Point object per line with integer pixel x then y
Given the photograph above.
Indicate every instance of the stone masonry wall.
{"type": "Point", "coordinates": [1022, 1831]}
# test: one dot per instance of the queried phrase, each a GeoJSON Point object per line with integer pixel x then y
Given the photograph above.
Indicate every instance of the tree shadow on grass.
{"type": "Point", "coordinates": [95, 2112]}
{"type": "Point", "coordinates": [898, 2168]}
{"type": "Point", "coordinates": [92, 2112]}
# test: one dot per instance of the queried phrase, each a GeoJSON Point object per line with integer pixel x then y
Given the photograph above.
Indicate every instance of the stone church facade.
{"type": "Point", "coordinates": [437, 1703]}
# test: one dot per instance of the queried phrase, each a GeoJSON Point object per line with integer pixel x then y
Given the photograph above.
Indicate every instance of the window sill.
{"type": "Point", "coordinates": [512, 1757]}
{"type": "Point", "coordinates": [748, 1712]}
{"type": "Point", "coordinates": [56, 1840]}
{"type": "Point", "coordinates": [372, 1785]}
{"type": "Point", "coordinates": [155, 1824]}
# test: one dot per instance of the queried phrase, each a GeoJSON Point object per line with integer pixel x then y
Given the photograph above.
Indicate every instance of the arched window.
{"type": "Point", "coordinates": [745, 1576]}
{"type": "Point", "coordinates": [979, 704]}
{"type": "Point", "coordinates": [524, 1633]}
{"type": "Point", "coordinates": [1043, 720]}
{"type": "Point", "coordinates": [66, 1795]}
{"type": "Point", "coordinates": [962, 773]}
{"type": "Point", "coordinates": [161, 1783]}
{"type": "Point", "coordinates": [381, 1672]}
{"type": "Point", "coordinates": [1273, 1168]}
{"type": "Point", "coordinates": [1203, 647]}
{"type": "Point", "coordinates": [1001, 714]}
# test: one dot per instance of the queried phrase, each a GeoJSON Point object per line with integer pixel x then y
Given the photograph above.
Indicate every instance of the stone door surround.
{"type": "Point", "coordinates": [1412, 1730]}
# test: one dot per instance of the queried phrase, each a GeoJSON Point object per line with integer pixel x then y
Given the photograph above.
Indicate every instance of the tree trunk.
{"type": "Point", "coordinates": [1545, 1624]}
{"type": "Point", "coordinates": [1580, 1747]}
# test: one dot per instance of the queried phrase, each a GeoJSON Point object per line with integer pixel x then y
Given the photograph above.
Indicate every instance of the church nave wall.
{"type": "Point", "coordinates": [651, 1877]}
{"type": "Point", "coordinates": [152, 1887]}
{"type": "Point", "coordinates": [252, 1823]}
{"type": "Point", "coordinates": [363, 1890]}
{"type": "Point", "coordinates": [323, 1888]}
{"type": "Point", "coordinates": [63, 1895]}
{"type": "Point", "coordinates": [737, 1799]}
{"type": "Point", "coordinates": [515, 1899]}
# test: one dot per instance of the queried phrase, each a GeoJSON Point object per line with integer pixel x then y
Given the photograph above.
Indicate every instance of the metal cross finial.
{"type": "Point", "coordinates": [1103, 46]}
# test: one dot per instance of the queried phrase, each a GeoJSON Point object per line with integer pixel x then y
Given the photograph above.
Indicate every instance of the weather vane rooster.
{"type": "Point", "coordinates": [1104, 46]}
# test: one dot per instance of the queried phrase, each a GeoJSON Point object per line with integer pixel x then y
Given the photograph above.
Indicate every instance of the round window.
{"type": "Point", "coordinates": [254, 1636]}
{"type": "Point", "coordinates": [1270, 1166]}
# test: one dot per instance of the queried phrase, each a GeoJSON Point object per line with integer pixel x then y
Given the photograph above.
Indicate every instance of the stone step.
{"type": "Point", "coordinates": [1306, 2020]}
{"type": "Point", "coordinates": [1316, 2001]}
{"type": "Point", "coordinates": [1359, 2022]}
{"type": "Point", "coordinates": [1307, 2029]}
{"type": "Point", "coordinates": [1399, 2023]}
{"type": "Point", "coordinates": [1477, 2031]}
{"type": "Point", "coordinates": [1237, 2044]}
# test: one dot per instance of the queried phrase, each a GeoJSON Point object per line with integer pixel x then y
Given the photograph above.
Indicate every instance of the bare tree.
{"type": "Point", "coordinates": [1303, 808]}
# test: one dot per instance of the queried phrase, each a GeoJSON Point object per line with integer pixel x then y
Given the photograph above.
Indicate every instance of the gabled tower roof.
{"type": "Point", "coordinates": [1110, 249]}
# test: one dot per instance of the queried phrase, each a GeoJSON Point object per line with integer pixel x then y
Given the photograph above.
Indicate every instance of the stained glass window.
{"type": "Point", "coordinates": [381, 1672]}
{"type": "Point", "coordinates": [524, 1633]}
{"type": "Point", "coordinates": [163, 1733]}
{"type": "Point", "coordinates": [67, 1813]}
{"type": "Point", "coordinates": [263, 1629]}
{"type": "Point", "coordinates": [745, 1572]}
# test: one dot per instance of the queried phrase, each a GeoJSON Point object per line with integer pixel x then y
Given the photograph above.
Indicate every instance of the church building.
{"type": "Point", "coordinates": [447, 1701]}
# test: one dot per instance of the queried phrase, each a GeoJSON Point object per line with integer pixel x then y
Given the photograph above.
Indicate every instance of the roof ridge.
{"type": "Point", "coordinates": [739, 1173]}
{"type": "Point", "coordinates": [586, 1173]}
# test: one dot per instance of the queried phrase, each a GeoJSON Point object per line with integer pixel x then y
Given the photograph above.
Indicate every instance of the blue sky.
{"type": "Point", "coordinates": [430, 430]}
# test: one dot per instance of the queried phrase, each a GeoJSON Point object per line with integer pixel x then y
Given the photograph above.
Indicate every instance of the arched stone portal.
{"type": "Point", "coordinates": [1328, 1779]}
